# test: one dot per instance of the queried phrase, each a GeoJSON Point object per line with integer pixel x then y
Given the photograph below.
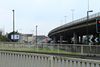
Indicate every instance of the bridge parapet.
{"type": "Point", "coordinates": [20, 59]}
{"type": "Point", "coordinates": [75, 22]}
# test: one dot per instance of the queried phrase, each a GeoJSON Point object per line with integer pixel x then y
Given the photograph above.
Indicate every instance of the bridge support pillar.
{"type": "Point", "coordinates": [81, 39]}
{"type": "Point", "coordinates": [61, 39]}
{"type": "Point", "coordinates": [54, 39]}
{"type": "Point", "coordinates": [76, 38]}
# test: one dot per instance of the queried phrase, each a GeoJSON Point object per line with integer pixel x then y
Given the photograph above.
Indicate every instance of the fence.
{"type": "Point", "coordinates": [76, 48]}
{"type": "Point", "coordinates": [20, 59]}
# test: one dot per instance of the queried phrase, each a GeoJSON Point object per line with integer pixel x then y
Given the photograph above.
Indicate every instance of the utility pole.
{"type": "Point", "coordinates": [36, 39]}
{"type": "Point", "coordinates": [65, 18]}
{"type": "Point", "coordinates": [72, 14]}
{"type": "Point", "coordinates": [13, 24]}
{"type": "Point", "coordinates": [88, 5]}
{"type": "Point", "coordinates": [87, 32]}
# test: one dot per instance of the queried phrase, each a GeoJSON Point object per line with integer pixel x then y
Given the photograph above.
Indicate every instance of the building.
{"type": "Point", "coordinates": [29, 38]}
{"type": "Point", "coordinates": [40, 38]}
{"type": "Point", "coordinates": [26, 38]}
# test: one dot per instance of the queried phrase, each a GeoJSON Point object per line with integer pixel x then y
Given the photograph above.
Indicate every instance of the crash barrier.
{"type": "Point", "coordinates": [20, 59]}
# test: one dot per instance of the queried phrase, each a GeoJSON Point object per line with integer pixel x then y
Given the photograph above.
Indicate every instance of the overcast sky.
{"type": "Point", "coordinates": [46, 14]}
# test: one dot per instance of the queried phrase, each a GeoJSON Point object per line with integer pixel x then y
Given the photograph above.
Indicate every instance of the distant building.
{"type": "Point", "coordinates": [26, 38]}
{"type": "Point", "coordinates": [40, 38]}
{"type": "Point", "coordinates": [29, 38]}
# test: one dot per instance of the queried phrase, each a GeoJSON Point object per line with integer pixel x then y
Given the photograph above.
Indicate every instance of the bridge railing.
{"type": "Point", "coordinates": [20, 59]}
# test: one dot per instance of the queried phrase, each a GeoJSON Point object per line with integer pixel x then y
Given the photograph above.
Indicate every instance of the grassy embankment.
{"type": "Point", "coordinates": [36, 50]}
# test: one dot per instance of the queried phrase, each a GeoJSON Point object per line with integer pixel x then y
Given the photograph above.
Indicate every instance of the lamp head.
{"type": "Point", "coordinates": [90, 11]}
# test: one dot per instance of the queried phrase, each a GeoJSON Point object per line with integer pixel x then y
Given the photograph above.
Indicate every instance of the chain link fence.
{"type": "Point", "coordinates": [76, 48]}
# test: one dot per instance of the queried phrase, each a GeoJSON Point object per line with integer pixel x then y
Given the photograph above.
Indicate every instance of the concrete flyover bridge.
{"type": "Point", "coordinates": [77, 31]}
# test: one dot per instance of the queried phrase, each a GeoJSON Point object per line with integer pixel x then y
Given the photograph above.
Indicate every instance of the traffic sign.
{"type": "Point", "coordinates": [98, 25]}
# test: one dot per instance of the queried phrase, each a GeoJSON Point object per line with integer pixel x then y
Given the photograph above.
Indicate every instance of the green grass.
{"type": "Point", "coordinates": [39, 50]}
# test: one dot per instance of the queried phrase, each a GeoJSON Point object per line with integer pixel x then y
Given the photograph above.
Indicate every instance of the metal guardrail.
{"type": "Point", "coordinates": [20, 59]}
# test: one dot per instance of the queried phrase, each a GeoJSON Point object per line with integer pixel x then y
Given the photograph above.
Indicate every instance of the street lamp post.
{"type": "Point", "coordinates": [72, 14]}
{"type": "Point", "coordinates": [36, 34]}
{"type": "Point", "coordinates": [65, 18]}
{"type": "Point", "coordinates": [13, 24]}
{"type": "Point", "coordinates": [88, 4]}
{"type": "Point", "coordinates": [87, 26]}
{"type": "Point", "coordinates": [36, 38]}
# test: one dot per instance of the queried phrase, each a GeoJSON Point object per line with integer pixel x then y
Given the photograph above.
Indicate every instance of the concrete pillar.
{"type": "Point", "coordinates": [76, 38]}
{"type": "Point", "coordinates": [61, 39]}
{"type": "Point", "coordinates": [81, 39]}
{"type": "Point", "coordinates": [54, 39]}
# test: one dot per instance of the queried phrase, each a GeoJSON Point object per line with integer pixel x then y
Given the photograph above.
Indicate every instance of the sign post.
{"type": "Point", "coordinates": [98, 25]}
{"type": "Point", "coordinates": [98, 28]}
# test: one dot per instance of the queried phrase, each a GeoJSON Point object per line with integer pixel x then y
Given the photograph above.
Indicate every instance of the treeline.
{"type": "Point", "coordinates": [3, 38]}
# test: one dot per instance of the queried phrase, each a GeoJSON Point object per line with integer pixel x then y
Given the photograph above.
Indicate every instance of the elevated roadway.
{"type": "Point", "coordinates": [76, 30]}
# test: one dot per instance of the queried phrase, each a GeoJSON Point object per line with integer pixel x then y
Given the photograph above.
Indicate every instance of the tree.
{"type": "Point", "coordinates": [4, 38]}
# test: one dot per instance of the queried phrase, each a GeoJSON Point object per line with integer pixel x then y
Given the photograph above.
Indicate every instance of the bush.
{"type": "Point", "coordinates": [4, 38]}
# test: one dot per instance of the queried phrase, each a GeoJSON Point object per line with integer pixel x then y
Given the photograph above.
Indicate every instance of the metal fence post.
{"type": "Point", "coordinates": [51, 61]}
{"type": "Point", "coordinates": [82, 49]}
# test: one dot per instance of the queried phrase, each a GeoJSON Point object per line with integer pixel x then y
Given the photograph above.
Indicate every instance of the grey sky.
{"type": "Point", "coordinates": [47, 14]}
